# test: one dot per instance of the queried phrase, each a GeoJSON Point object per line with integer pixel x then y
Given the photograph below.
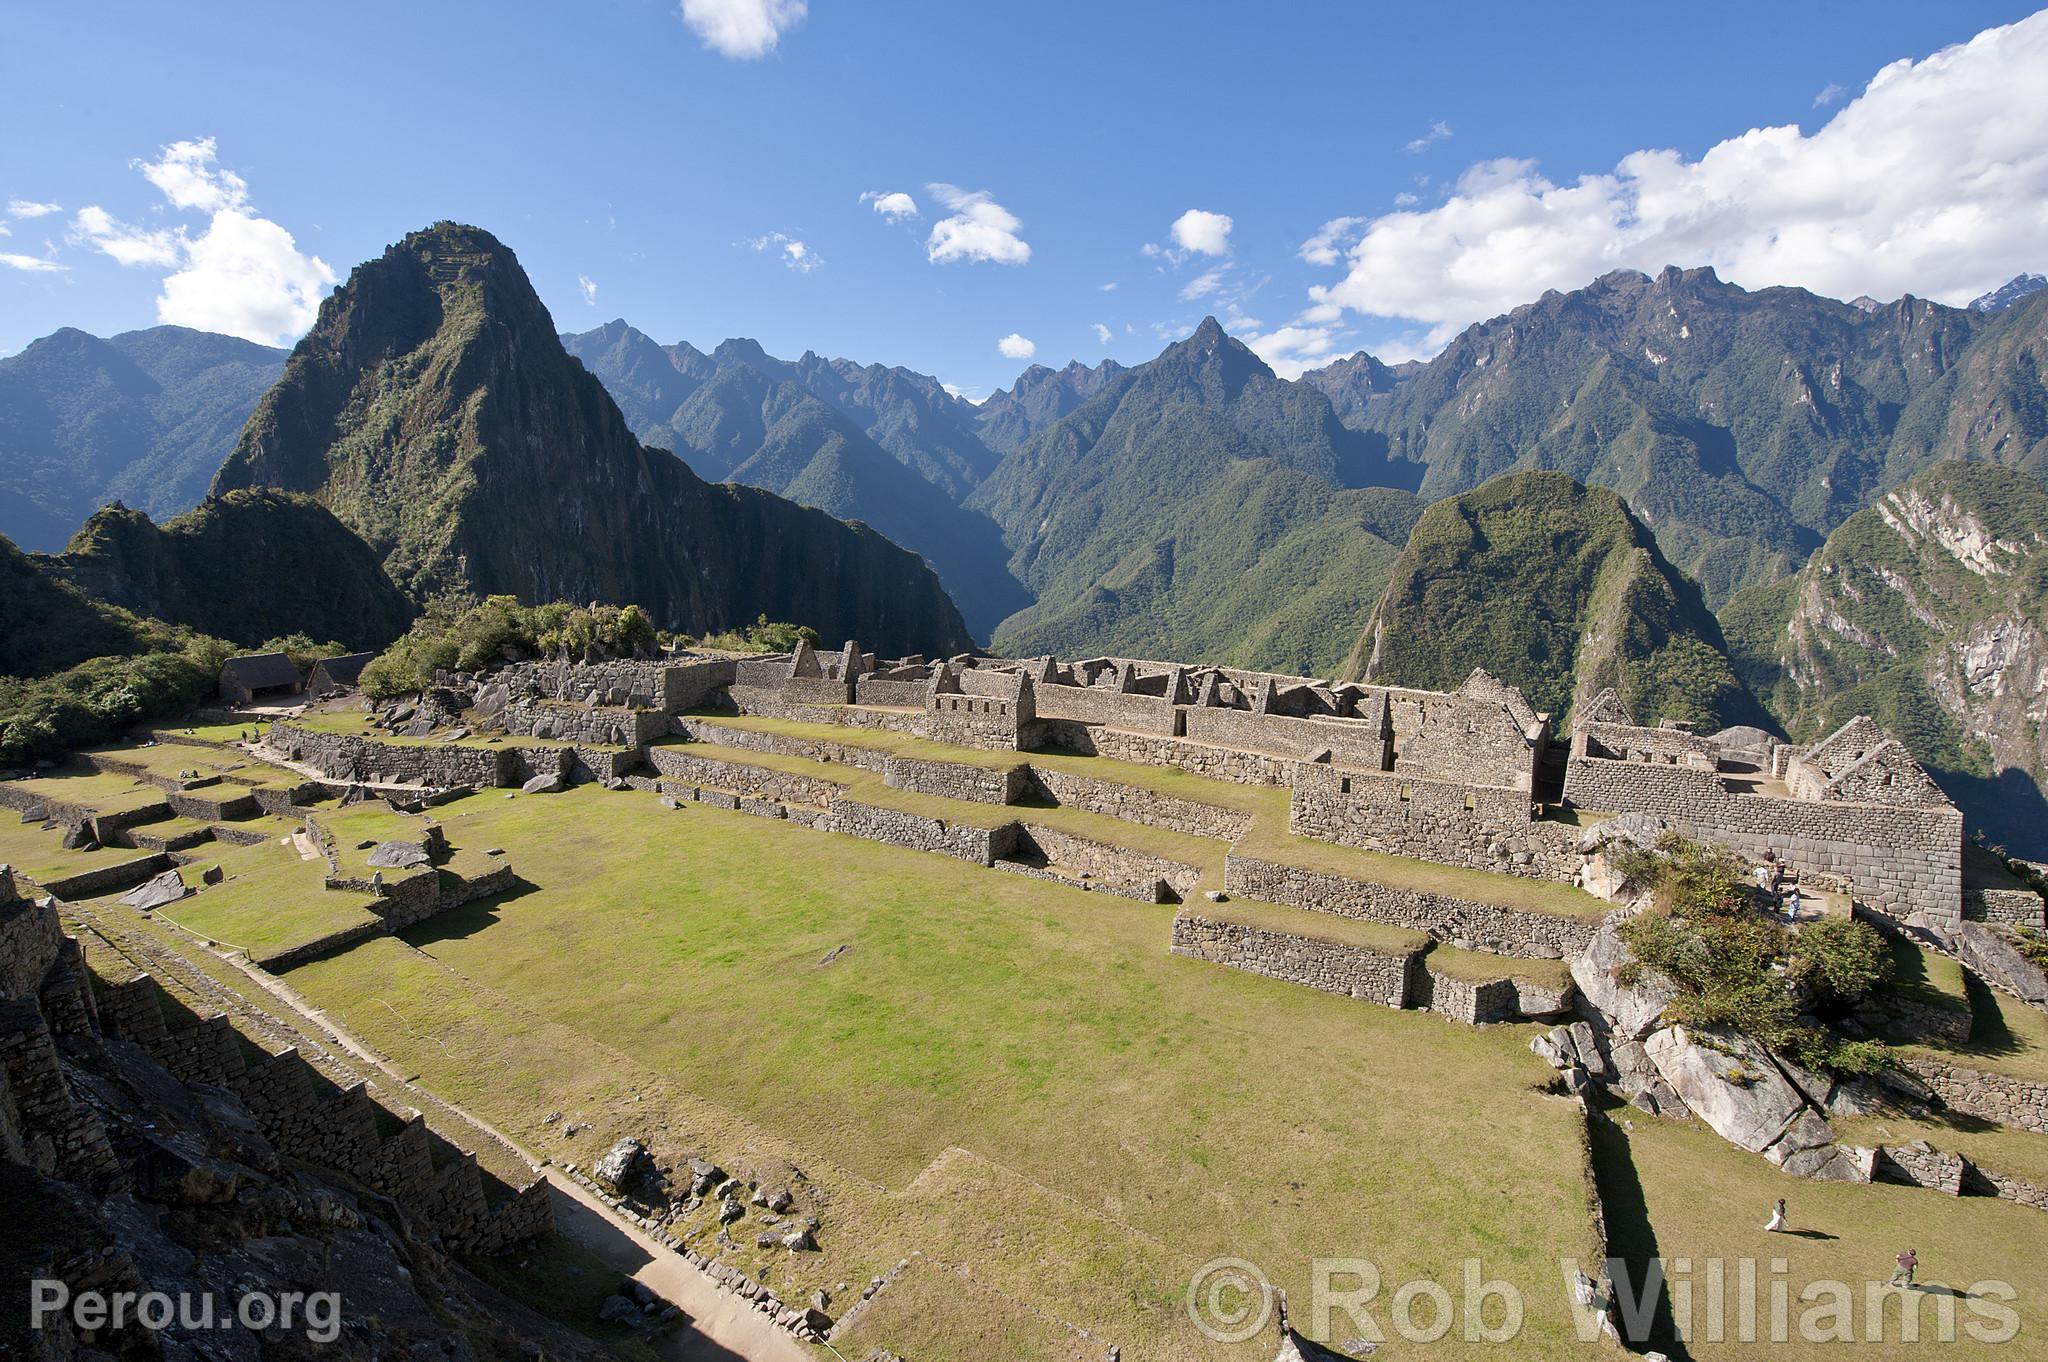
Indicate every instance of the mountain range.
{"type": "Point", "coordinates": [143, 417]}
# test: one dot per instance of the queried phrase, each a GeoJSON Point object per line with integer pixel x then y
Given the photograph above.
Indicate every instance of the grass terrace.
{"type": "Point", "coordinates": [272, 900]}
{"type": "Point", "coordinates": [1479, 967]}
{"type": "Point", "coordinates": [355, 723]}
{"type": "Point", "coordinates": [1676, 1190]}
{"type": "Point", "coordinates": [1329, 927]}
{"type": "Point", "coordinates": [221, 735]}
{"type": "Point", "coordinates": [41, 856]}
{"type": "Point", "coordinates": [108, 793]}
{"type": "Point", "coordinates": [1012, 1076]}
{"type": "Point", "coordinates": [2006, 1035]}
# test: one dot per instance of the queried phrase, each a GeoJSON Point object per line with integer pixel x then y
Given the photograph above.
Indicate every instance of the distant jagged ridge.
{"type": "Point", "coordinates": [1741, 426]}
{"type": "Point", "coordinates": [1556, 588]}
{"type": "Point", "coordinates": [433, 409]}
{"type": "Point", "coordinates": [1928, 610]}
{"type": "Point", "coordinates": [742, 416]}
{"type": "Point", "coordinates": [143, 417]}
{"type": "Point", "coordinates": [1198, 505]}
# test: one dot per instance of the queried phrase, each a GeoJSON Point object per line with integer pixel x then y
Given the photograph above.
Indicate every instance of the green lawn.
{"type": "Point", "coordinates": [222, 734]}
{"type": "Point", "coordinates": [2006, 1035]}
{"type": "Point", "coordinates": [41, 855]}
{"type": "Point", "coordinates": [1483, 966]}
{"type": "Point", "coordinates": [355, 723]}
{"type": "Point", "coordinates": [1681, 1192]}
{"type": "Point", "coordinates": [271, 901]}
{"type": "Point", "coordinates": [104, 794]}
{"type": "Point", "coordinates": [1004, 1073]}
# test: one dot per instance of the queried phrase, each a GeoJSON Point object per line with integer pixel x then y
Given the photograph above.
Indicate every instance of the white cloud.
{"type": "Point", "coordinates": [1828, 95]}
{"type": "Point", "coordinates": [743, 29]}
{"type": "Point", "coordinates": [31, 264]}
{"type": "Point", "coordinates": [1293, 349]}
{"type": "Point", "coordinates": [1015, 346]}
{"type": "Point", "coordinates": [1202, 233]}
{"type": "Point", "coordinates": [1326, 247]}
{"type": "Point", "coordinates": [96, 227]}
{"type": "Point", "coordinates": [1109, 287]}
{"type": "Point", "coordinates": [243, 275]}
{"type": "Point", "coordinates": [1202, 285]}
{"type": "Point", "coordinates": [979, 229]}
{"type": "Point", "coordinates": [794, 254]}
{"type": "Point", "coordinates": [1102, 334]}
{"type": "Point", "coordinates": [895, 206]}
{"type": "Point", "coordinates": [1934, 180]}
{"type": "Point", "coordinates": [1404, 199]}
{"type": "Point", "coordinates": [29, 208]}
{"type": "Point", "coordinates": [1438, 131]}
{"type": "Point", "coordinates": [588, 288]}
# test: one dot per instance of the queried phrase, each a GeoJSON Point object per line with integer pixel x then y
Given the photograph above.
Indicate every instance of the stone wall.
{"type": "Point", "coordinates": [1153, 878]}
{"type": "Point", "coordinates": [667, 687]}
{"type": "Point", "coordinates": [1218, 763]}
{"type": "Point", "coordinates": [1353, 971]}
{"type": "Point", "coordinates": [1108, 707]}
{"type": "Point", "coordinates": [741, 777]}
{"type": "Point", "coordinates": [606, 726]}
{"type": "Point", "coordinates": [1286, 737]}
{"type": "Point", "coordinates": [30, 940]}
{"type": "Point", "coordinates": [780, 744]}
{"type": "Point", "coordinates": [875, 690]}
{"type": "Point", "coordinates": [2009, 907]}
{"type": "Point", "coordinates": [1462, 922]}
{"type": "Point", "coordinates": [1903, 859]}
{"type": "Point", "coordinates": [1475, 1002]}
{"type": "Point", "coordinates": [1133, 804]}
{"type": "Point", "coordinates": [1989, 1096]}
{"type": "Point", "coordinates": [107, 879]}
{"type": "Point", "coordinates": [957, 780]}
{"type": "Point", "coordinates": [981, 846]}
{"type": "Point", "coordinates": [345, 757]}
{"type": "Point", "coordinates": [1477, 826]}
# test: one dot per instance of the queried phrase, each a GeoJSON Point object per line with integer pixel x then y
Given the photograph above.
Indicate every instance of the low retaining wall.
{"type": "Point", "coordinates": [1133, 804]}
{"type": "Point", "coordinates": [344, 757]}
{"type": "Point", "coordinates": [1151, 878]}
{"type": "Point", "coordinates": [777, 744]}
{"type": "Point", "coordinates": [2009, 907]}
{"type": "Point", "coordinates": [1988, 1096]}
{"type": "Point", "coordinates": [1463, 922]}
{"type": "Point", "coordinates": [741, 777]}
{"type": "Point", "coordinates": [108, 879]}
{"type": "Point", "coordinates": [1218, 763]}
{"type": "Point", "coordinates": [1479, 827]}
{"type": "Point", "coordinates": [981, 846]}
{"type": "Point", "coordinates": [1353, 971]}
{"type": "Point", "coordinates": [957, 780]}
{"type": "Point", "coordinates": [1472, 1001]}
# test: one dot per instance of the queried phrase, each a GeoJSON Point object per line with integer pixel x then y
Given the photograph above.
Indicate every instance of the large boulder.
{"type": "Point", "coordinates": [1729, 1083]}
{"type": "Point", "coordinates": [398, 856]}
{"type": "Point", "coordinates": [548, 783]}
{"type": "Point", "coordinates": [1992, 954]}
{"type": "Point", "coordinates": [166, 888]}
{"type": "Point", "coordinates": [620, 1166]}
{"type": "Point", "coordinates": [1631, 1009]}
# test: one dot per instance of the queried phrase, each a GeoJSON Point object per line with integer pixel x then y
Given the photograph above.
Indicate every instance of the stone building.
{"type": "Point", "coordinates": [259, 676]}
{"type": "Point", "coordinates": [333, 674]}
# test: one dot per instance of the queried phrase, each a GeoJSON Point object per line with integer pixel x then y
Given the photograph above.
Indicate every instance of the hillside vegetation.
{"type": "Point", "coordinates": [1929, 610]}
{"type": "Point", "coordinates": [1558, 589]}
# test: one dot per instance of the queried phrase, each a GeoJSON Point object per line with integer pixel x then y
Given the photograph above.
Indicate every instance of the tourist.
{"type": "Point", "coordinates": [1777, 1222]}
{"type": "Point", "coordinates": [1902, 1275]}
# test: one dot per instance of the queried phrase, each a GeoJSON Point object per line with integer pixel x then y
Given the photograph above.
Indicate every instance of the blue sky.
{"type": "Point", "coordinates": [1389, 174]}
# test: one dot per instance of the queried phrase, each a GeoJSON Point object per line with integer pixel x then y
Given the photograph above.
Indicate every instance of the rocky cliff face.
{"type": "Point", "coordinates": [1558, 589]}
{"type": "Point", "coordinates": [1930, 611]}
{"type": "Point", "coordinates": [246, 567]}
{"type": "Point", "coordinates": [433, 410]}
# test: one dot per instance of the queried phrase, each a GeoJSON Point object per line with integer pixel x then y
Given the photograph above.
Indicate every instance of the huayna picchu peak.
{"type": "Point", "coordinates": [433, 409]}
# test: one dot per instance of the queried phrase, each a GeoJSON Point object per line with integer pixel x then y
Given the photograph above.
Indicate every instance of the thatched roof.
{"type": "Point", "coordinates": [260, 671]}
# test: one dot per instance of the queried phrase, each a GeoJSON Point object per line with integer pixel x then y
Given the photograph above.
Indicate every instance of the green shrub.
{"type": "Point", "coordinates": [103, 698]}
{"type": "Point", "coordinates": [456, 636]}
{"type": "Point", "coordinates": [1736, 966]}
{"type": "Point", "coordinates": [762, 636]}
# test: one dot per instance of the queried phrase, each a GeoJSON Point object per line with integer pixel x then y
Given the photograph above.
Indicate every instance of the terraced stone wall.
{"type": "Point", "coordinates": [1989, 1096]}
{"type": "Point", "coordinates": [1479, 827]}
{"type": "Point", "coordinates": [1462, 922]}
{"type": "Point", "coordinates": [1355, 972]}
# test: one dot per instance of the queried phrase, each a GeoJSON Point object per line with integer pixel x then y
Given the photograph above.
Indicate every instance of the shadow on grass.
{"type": "Point", "coordinates": [1631, 1238]}
{"type": "Point", "coordinates": [1990, 1033]}
{"type": "Point", "coordinates": [466, 920]}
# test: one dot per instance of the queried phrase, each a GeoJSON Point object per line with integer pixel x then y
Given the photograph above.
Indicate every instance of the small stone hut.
{"type": "Point", "coordinates": [331, 674]}
{"type": "Point", "coordinates": [259, 676]}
